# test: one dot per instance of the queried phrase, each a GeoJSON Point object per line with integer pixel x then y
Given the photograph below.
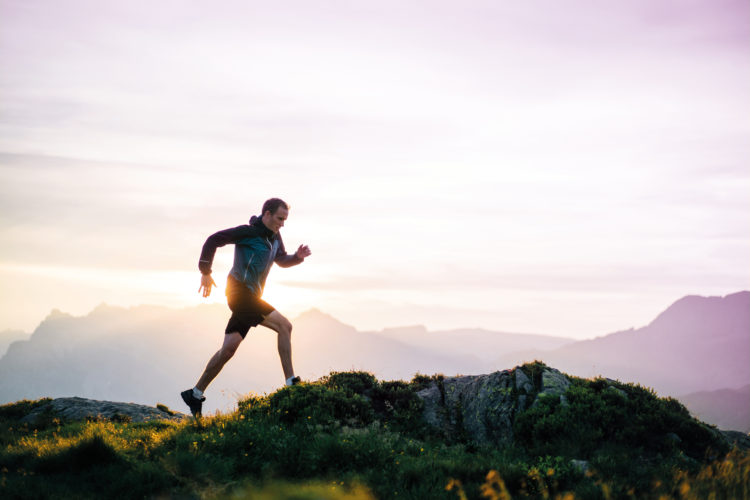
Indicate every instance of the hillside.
{"type": "Point", "coordinates": [529, 432]}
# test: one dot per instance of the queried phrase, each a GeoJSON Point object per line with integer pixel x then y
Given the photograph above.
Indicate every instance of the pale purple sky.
{"type": "Point", "coordinates": [567, 168]}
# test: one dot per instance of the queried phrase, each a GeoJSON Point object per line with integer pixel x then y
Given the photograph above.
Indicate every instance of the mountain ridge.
{"type": "Point", "coordinates": [710, 332]}
{"type": "Point", "coordinates": [117, 352]}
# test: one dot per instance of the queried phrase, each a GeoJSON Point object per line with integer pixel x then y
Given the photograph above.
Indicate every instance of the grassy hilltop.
{"type": "Point", "coordinates": [350, 436]}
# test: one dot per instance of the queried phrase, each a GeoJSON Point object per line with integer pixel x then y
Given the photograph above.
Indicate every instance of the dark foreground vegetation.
{"type": "Point", "coordinates": [350, 436]}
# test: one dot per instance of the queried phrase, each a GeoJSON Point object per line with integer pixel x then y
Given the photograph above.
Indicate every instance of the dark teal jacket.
{"type": "Point", "coordinates": [256, 248]}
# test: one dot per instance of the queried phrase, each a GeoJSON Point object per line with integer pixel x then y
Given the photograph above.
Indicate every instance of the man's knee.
{"type": "Point", "coordinates": [277, 322]}
{"type": "Point", "coordinates": [285, 330]}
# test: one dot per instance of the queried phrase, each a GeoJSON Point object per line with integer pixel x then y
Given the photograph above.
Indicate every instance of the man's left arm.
{"type": "Point", "coordinates": [284, 259]}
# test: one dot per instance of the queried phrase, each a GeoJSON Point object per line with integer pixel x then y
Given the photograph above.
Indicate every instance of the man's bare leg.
{"type": "Point", "coordinates": [218, 360]}
{"type": "Point", "coordinates": [278, 323]}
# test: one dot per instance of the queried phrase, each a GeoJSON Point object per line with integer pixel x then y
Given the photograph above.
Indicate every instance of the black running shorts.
{"type": "Point", "coordinates": [247, 309]}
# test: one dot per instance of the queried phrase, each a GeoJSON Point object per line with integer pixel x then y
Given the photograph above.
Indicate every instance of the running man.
{"type": "Point", "coordinates": [256, 247]}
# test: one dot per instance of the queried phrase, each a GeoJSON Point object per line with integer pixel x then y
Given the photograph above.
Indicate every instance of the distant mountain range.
{"type": "Point", "coordinates": [697, 344]}
{"type": "Point", "coordinates": [148, 354]}
{"type": "Point", "coordinates": [485, 345]}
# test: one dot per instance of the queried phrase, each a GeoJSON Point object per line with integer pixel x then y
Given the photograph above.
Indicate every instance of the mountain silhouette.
{"type": "Point", "coordinates": [696, 344]}
{"type": "Point", "coordinates": [484, 344]}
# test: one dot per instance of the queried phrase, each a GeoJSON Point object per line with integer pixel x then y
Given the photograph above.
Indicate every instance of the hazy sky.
{"type": "Point", "coordinates": [567, 168]}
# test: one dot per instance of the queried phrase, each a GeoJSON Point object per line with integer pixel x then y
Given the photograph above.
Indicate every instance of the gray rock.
{"type": "Point", "coordinates": [522, 402]}
{"type": "Point", "coordinates": [433, 403]}
{"type": "Point", "coordinates": [81, 409]}
{"type": "Point", "coordinates": [482, 406]}
{"type": "Point", "coordinates": [554, 383]}
{"type": "Point", "coordinates": [523, 383]}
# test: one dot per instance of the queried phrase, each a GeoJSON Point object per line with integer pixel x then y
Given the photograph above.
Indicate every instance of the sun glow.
{"type": "Point", "coordinates": [130, 287]}
{"type": "Point", "coordinates": [92, 286]}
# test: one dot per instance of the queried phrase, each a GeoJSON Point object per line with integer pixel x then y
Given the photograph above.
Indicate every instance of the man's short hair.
{"type": "Point", "coordinates": [273, 204]}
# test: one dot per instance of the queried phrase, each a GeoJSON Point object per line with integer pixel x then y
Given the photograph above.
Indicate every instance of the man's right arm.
{"type": "Point", "coordinates": [218, 240]}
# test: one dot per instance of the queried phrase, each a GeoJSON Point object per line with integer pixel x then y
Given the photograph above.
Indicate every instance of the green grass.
{"type": "Point", "coordinates": [350, 436]}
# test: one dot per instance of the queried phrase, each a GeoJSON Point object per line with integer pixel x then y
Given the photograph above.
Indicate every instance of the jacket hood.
{"type": "Point", "coordinates": [258, 222]}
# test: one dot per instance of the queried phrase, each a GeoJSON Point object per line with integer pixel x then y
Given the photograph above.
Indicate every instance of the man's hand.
{"type": "Point", "coordinates": [303, 251]}
{"type": "Point", "coordinates": [206, 283]}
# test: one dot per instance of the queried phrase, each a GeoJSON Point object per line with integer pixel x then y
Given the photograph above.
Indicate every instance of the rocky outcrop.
{"type": "Point", "coordinates": [483, 407]}
{"type": "Point", "coordinates": [480, 406]}
{"type": "Point", "coordinates": [87, 409]}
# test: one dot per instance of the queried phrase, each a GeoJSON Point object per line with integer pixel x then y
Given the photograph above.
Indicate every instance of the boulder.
{"type": "Point", "coordinates": [554, 385]}
{"type": "Point", "coordinates": [554, 382]}
{"type": "Point", "coordinates": [523, 382]}
{"type": "Point", "coordinates": [81, 409]}
{"type": "Point", "coordinates": [484, 407]}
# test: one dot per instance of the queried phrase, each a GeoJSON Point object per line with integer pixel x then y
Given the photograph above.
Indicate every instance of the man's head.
{"type": "Point", "coordinates": [275, 211]}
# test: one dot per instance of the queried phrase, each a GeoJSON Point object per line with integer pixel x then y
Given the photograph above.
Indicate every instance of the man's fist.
{"type": "Point", "coordinates": [303, 251]}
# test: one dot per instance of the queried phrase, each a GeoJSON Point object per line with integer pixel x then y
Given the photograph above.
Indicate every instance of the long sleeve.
{"type": "Point", "coordinates": [216, 240]}
{"type": "Point", "coordinates": [283, 259]}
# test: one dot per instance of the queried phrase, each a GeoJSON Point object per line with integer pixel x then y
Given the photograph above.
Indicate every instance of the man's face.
{"type": "Point", "coordinates": [275, 221]}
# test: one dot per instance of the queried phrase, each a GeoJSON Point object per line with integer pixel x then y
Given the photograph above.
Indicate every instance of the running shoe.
{"type": "Point", "coordinates": [194, 403]}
